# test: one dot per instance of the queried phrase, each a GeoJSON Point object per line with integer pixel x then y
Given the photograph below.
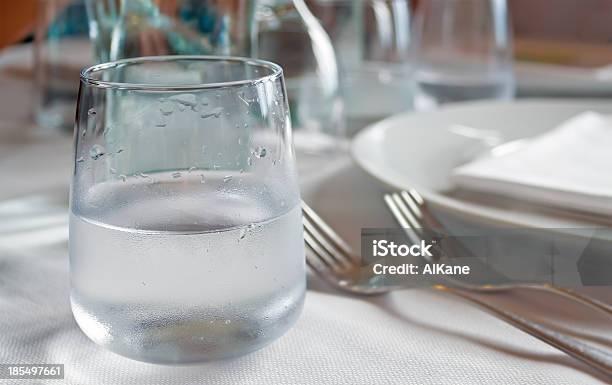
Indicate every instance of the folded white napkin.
{"type": "Point", "coordinates": [569, 166]}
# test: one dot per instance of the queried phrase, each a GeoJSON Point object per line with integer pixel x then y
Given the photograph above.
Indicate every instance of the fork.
{"type": "Point", "coordinates": [330, 257]}
{"type": "Point", "coordinates": [413, 215]}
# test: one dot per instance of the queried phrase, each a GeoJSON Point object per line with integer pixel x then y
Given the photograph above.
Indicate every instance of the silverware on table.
{"type": "Point", "coordinates": [413, 215]}
{"type": "Point", "coordinates": [331, 258]}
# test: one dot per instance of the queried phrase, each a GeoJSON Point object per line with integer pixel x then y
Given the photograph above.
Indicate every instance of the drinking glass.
{"type": "Point", "coordinates": [463, 52]}
{"type": "Point", "coordinates": [186, 241]}
{"type": "Point", "coordinates": [372, 42]}
{"type": "Point", "coordinates": [286, 32]}
{"type": "Point", "coordinates": [61, 49]}
{"type": "Point", "coordinates": [130, 28]}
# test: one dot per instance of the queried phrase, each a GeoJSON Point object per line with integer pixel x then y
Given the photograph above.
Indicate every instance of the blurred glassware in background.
{"type": "Point", "coordinates": [289, 34]}
{"type": "Point", "coordinates": [463, 50]}
{"type": "Point", "coordinates": [102, 16]}
{"type": "Point", "coordinates": [372, 42]}
{"type": "Point", "coordinates": [132, 28]}
{"type": "Point", "coordinates": [125, 28]}
{"type": "Point", "coordinates": [61, 49]}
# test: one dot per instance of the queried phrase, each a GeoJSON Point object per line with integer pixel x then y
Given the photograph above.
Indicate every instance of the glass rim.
{"type": "Point", "coordinates": [87, 72]}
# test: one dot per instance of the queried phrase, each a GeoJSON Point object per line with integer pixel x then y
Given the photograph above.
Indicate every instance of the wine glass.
{"type": "Point", "coordinates": [463, 50]}
{"type": "Point", "coordinates": [186, 241]}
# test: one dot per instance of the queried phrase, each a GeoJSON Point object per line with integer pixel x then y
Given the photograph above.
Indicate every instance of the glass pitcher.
{"type": "Point", "coordinates": [289, 34]}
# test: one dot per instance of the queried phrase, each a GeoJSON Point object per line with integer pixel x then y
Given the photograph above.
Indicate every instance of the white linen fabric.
{"type": "Point", "coordinates": [410, 337]}
{"type": "Point", "coordinates": [565, 167]}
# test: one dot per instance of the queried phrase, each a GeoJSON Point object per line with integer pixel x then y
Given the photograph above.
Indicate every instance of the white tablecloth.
{"type": "Point", "coordinates": [410, 337]}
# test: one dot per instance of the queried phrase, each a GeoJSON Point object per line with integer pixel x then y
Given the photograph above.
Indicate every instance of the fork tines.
{"type": "Point", "coordinates": [329, 251]}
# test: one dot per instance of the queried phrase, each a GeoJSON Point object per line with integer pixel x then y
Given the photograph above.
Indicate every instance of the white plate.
{"type": "Point", "coordinates": [417, 150]}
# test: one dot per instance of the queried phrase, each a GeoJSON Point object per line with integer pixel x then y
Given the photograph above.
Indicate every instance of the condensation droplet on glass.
{"type": "Point", "coordinates": [243, 234]}
{"type": "Point", "coordinates": [250, 161]}
{"type": "Point", "coordinates": [216, 113]}
{"type": "Point", "coordinates": [242, 171]}
{"type": "Point", "coordinates": [119, 151]}
{"type": "Point", "coordinates": [227, 322]}
{"type": "Point", "coordinates": [216, 167]}
{"type": "Point", "coordinates": [143, 175]}
{"type": "Point", "coordinates": [176, 174]}
{"type": "Point", "coordinates": [161, 124]}
{"type": "Point", "coordinates": [80, 159]}
{"type": "Point", "coordinates": [227, 178]}
{"type": "Point", "coordinates": [96, 152]}
{"type": "Point", "coordinates": [113, 170]}
{"type": "Point", "coordinates": [202, 179]}
{"type": "Point", "coordinates": [191, 169]}
{"type": "Point", "coordinates": [185, 100]}
{"type": "Point", "coordinates": [123, 177]}
{"type": "Point", "coordinates": [166, 109]}
{"type": "Point", "coordinates": [92, 112]}
{"type": "Point", "coordinates": [282, 203]}
{"type": "Point", "coordinates": [260, 152]}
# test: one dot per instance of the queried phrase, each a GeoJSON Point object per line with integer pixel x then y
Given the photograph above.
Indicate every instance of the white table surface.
{"type": "Point", "coordinates": [410, 337]}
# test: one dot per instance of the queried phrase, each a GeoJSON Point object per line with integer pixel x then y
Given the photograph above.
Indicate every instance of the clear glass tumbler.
{"type": "Point", "coordinates": [463, 50]}
{"type": "Point", "coordinates": [186, 242]}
